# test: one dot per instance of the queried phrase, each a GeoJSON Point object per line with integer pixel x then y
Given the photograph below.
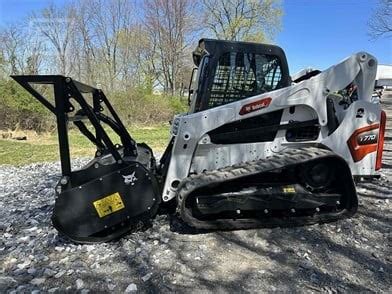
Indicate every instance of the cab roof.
{"type": "Point", "coordinates": [218, 47]}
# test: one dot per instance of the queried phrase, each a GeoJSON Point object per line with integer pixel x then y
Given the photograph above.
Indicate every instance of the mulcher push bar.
{"type": "Point", "coordinates": [66, 91]}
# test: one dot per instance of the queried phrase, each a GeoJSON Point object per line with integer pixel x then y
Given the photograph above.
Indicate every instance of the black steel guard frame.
{"type": "Point", "coordinates": [66, 89]}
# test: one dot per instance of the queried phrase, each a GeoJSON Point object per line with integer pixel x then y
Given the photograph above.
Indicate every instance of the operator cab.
{"type": "Point", "coordinates": [229, 71]}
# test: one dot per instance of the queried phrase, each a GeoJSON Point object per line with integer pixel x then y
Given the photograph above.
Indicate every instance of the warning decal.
{"type": "Point", "coordinates": [288, 189]}
{"type": "Point", "coordinates": [108, 204]}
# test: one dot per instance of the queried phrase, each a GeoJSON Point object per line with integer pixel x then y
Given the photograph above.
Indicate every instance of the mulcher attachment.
{"type": "Point", "coordinates": [295, 187]}
{"type": "Point", "coordinates": [112, 200]}
{"type": "Point", "coordinates": [116, 191]}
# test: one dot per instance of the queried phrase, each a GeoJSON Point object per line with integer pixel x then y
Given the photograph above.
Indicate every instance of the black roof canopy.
{"type": "Point", "coordinates": [215, 48]}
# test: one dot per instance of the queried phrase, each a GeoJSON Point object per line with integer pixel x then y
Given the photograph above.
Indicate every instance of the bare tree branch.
{"type": "Point", "coordinates": [168, 22]}
{"type": "Point", "coordinates": [242, 19]}
{"type": "Point", "coordinates": [380, 23]}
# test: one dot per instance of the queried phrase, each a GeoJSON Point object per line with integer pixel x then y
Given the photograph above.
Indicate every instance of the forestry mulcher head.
{"type": "Point", "coordinates": [114, 192]}
{"type": "Point", "coordinates": [257, 149]}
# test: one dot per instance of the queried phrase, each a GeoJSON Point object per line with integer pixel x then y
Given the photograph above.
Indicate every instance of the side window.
{"type": "Point", "coordinates": [198, 84]}
{"type": "Point", "coordinates": [241, 75]}
{"type": "Point", "coordinates": [270, 71]}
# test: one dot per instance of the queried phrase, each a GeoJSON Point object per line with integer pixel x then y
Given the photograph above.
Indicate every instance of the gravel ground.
{"type": "Point", "coordinates": [346, 256]}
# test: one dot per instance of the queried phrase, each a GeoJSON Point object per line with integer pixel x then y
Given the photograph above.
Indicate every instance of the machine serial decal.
{"type": "Point", "coordinates": [130, 179]}
{"type": "Point", "coordinates": [108, 204]}
{"type": "Point", "coordinates": [256, 105]}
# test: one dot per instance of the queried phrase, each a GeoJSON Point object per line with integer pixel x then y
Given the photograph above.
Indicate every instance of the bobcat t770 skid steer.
{"type": "Point", "coordinates": [256, 149]}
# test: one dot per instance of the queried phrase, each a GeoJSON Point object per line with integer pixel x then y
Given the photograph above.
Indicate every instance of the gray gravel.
{"type": "Point", "coordinates": [347, 256]}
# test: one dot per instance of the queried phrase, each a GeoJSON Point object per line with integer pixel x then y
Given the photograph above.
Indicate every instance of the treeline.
{"type": "Point", "coordinates": [132, 49]}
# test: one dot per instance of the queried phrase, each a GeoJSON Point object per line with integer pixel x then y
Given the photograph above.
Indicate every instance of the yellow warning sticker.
{"type": "Point", "coordinates": [288, 189]}
{"type": "Point", "coordinates": [108, 204]}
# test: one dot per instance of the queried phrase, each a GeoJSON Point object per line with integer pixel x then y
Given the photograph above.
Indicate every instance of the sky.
{"type": "Point", "coordinates": [315, 33]}
{"type": "Point", "coordinates": [320, 33]}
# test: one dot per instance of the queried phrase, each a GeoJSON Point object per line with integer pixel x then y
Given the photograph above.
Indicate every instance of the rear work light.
{"type": "Point", "coordinates": [381, 134]}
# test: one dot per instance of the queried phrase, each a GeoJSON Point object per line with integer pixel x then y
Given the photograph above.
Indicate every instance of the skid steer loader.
{"type": "Point", "coordinates": [256, 149]}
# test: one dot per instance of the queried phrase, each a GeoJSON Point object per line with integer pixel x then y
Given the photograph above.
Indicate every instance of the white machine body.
{"type": "Point", "coordinates": [193, 151]}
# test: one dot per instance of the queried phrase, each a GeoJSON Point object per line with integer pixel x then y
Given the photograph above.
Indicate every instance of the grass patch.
{"type": "Point", "coordinates": [45, 147]}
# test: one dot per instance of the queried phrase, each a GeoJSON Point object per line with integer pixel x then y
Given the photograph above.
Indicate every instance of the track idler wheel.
{"type": "Point", "coordinates": [317, 176]}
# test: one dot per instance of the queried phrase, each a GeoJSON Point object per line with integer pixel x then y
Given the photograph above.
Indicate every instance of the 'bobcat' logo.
{"type": "Point", "coordinates": [130, 179]}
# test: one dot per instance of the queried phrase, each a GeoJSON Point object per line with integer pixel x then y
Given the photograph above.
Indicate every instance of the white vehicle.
{"type": "Point", "coordinates": [255, 149]}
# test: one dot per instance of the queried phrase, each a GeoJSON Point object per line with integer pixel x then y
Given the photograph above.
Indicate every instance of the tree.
{"type": "Point", "coordinates": [2, 64]}
{"type": "Point", "coordinates": [11, 40]}
{"type": "Point", "coordinates": [137, 56]}
{"type": "Point", "coordinates": [242, 20]}
{"type": "Point", "coordinates": [82, 43]}
{"type": "Point", "coordinates": [108, 19]}
{"type": "Point", "coordinates": [168, 22]}
{"type": "Point", "coordinates": [21, 51]}
{"type": "Point", "coordinates": [380, 23]}
{"type": "Point", "coordinates": [57, 26]}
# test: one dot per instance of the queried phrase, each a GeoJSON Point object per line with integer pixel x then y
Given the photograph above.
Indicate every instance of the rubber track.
{"type": "Point", "coordinates": [285, 158]}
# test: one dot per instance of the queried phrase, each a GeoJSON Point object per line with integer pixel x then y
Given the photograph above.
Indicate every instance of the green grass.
{"type": "Point", "coordinates": [45, 147]}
